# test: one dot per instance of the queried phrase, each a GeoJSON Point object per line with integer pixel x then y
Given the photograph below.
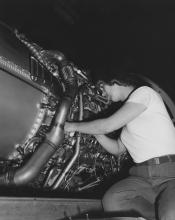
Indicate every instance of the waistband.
{"type": "Point", "coordinates": [158, 160]}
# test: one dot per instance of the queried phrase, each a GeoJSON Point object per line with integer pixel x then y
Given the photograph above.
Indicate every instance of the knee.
{"type": "Point", "coordinates": [107, 201]}
{"type": "Point", "coordinates": [110, 202]}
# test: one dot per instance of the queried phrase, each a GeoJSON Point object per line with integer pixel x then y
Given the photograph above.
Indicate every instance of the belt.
{"type": "Point", "coordinates": [158, 160]}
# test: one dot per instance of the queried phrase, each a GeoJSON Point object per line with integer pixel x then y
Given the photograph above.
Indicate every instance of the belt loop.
{"type": "Point", "coordinates": [157, 160]}
{"type": "Point", "coordinates": [169, 158]}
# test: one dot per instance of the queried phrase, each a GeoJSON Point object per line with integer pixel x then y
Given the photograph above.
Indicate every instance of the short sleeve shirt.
{"type": "Point", "coordinates": [152, 133]}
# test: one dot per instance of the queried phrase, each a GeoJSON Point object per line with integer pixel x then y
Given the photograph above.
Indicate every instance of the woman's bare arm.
{"type": "Point", "coordinates": [111, 145]}
{"type": "Point", "coordinates": [124, 115]}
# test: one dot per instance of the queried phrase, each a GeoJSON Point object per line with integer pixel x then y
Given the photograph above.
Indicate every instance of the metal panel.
{"type": "Point", "coordinates": [12, 208]}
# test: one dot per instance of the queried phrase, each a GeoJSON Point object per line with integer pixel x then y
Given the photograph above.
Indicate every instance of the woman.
{"type": "Point", "coordinates": [148, 134]}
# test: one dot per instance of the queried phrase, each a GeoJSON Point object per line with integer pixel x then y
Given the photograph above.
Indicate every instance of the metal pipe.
{"type": "Point", "coordinates": [77, 149]}
{"type": "Point", "coordinates": [63, 174]}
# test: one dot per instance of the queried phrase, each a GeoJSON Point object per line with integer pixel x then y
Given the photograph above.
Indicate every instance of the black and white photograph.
{"type": "Point", "coordinates": [87, 110]}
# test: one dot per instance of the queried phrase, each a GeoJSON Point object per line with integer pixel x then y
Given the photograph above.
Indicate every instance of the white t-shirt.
{"type": "Point", "coordinates": [152, 133]}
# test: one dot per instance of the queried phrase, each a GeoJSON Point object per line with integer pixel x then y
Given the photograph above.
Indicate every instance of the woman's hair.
{"type": "Point", "coordinates": [125, 79]}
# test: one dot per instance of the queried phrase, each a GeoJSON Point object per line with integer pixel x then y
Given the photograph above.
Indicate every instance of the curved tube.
{"type": "Point", "coordinates": [67, 168]}
{"type": "Point", "coordinates": [76, 153]}
{"type": "Point", "coordinates": [54, 138]}
{"type": "Point", "coordinates": [34, 166]}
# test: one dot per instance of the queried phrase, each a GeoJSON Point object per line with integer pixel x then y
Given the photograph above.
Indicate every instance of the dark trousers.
{"type": "Point", "coordinates": [148, 191]}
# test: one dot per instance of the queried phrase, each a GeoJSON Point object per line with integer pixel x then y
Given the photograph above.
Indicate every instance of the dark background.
{"type": "Point", "coordinates": [136, 35]}
{"type": "Point", "coordinates": [127, 35]}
